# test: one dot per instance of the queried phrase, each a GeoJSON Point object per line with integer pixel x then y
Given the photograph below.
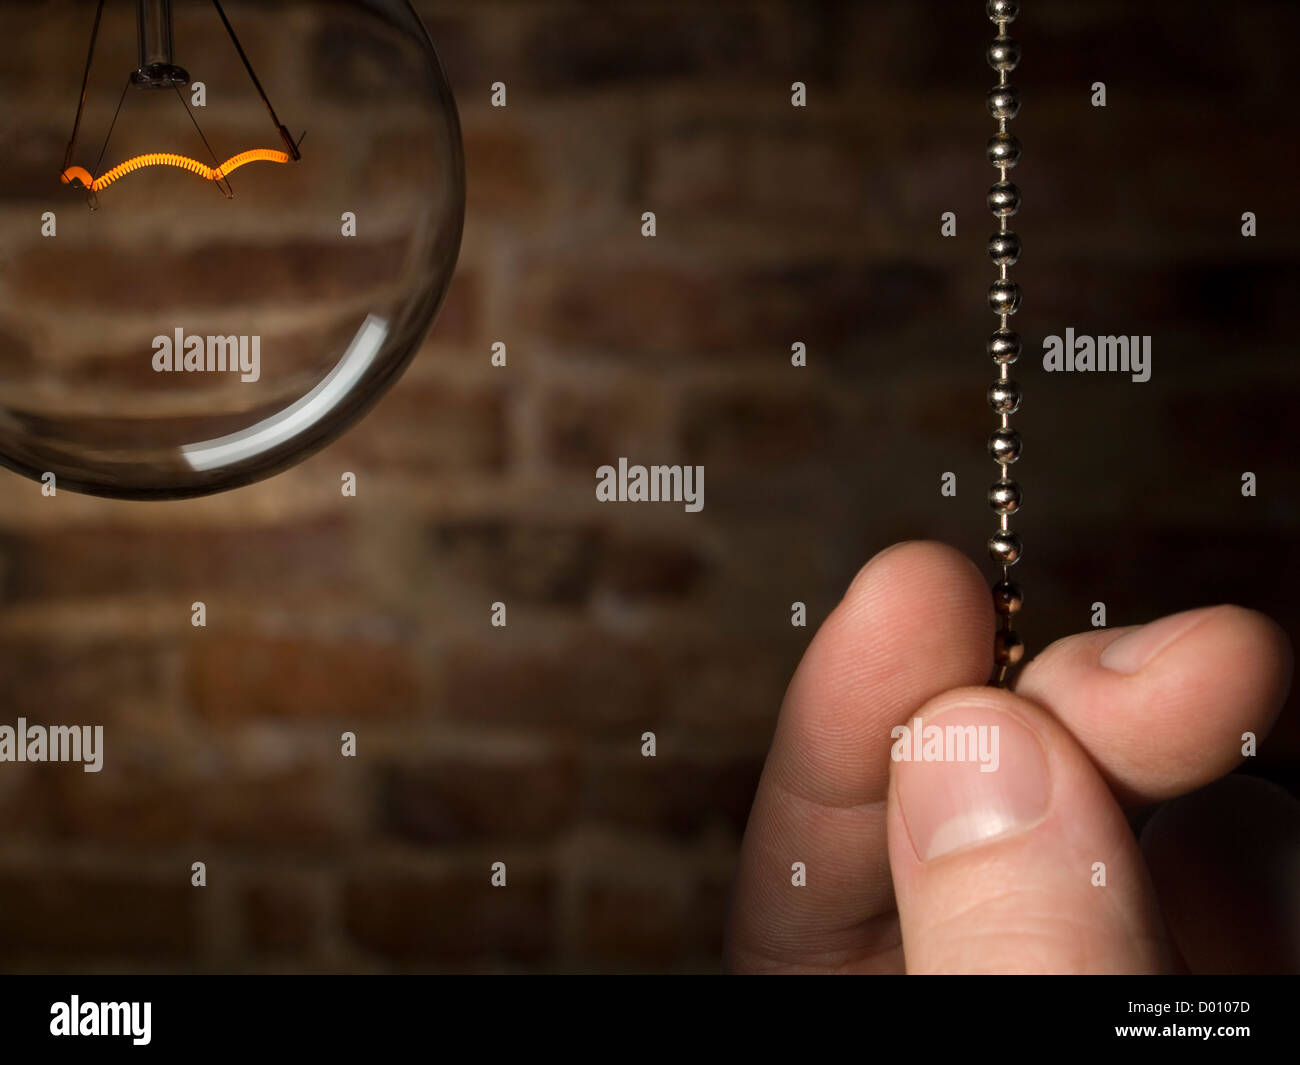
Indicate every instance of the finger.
{"type": "Point", "coordinates": [1162, 708]}
{"type": "Point", "coordinates": [1226, 865]}
{"type": "Point", "coordinates": [1009, 854]}
{"type": "Point", "coordinates": [914, 622]}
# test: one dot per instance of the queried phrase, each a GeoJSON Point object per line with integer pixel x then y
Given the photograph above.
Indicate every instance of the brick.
{"type": "Point", "coordinates": [460, 317]}
{"type": "Point", "coordinates": [29, 176]}
{"type": "Point", "coordinates": [640, 567]}
{"type": "Point", "coordinates": [430, 427]}
{"type": "Point", "coordinates": [819, 175]}
{"type": "Point", "coordinates": [83, 681]}
{"type": "Point", "coordinates": [16, 351]}
{"type": "Point", "coordinates": [727, 688]}
{"type": "Point", "coordinates": [502, 171]}
{"type": "Point", "coordinates": [52, 913]}
{"type": "Point", "coordinates": [50, 43]}
{"type": "Point", "coordinates": [533, 561]}
{"type": "Point", "coordinates": [24, 805]}
{"type": "Point", "coordinates": [127, 805]}
{"type": "Point", "coordinates": [632, 310]}
{"type": "Point", "coordinates": [920, 56]}
{"type": "Point", "coordinates": [282, 914]}
{"type": "Point", "coordinates": [354, 62]}
{"type": "Point", "coordinates": [233, 678]}
{"type": "Point", "coordinates": [347, 66]}
{"type": "Point", "coordinates": [584, 50]}
{"type": "Point", "coordinates": [706, 913]}
{"type": "Point", "coordinates": [578, 50]}
{"type": "Point", "coordinates": [808, 175]}
{"type": "Point", "coordinates": [584, 682]}
{"type": "Point", "coordinates": [583, 430]}
{"type": "Point", "coordinates": [672, 314]}
{"type": "Point", "coordinates": [304, 808]}
{"type": "Point", "coordinates": [453, 914]}
{"type": "Point", "coordinates": [467, 51]}
{"type": "Point", "coordinates": [404, 178]}
{"type": "Point", "coordinates": [552, 563]}
{"type": "Point", "coordinates": [696, 166]}
{"type": "Point", "coordinates": [216, 275]}
{"type": "Point", "coordinates": [739, 429]}
{"type": "Point", "coordinates": [634, 922]}
{"type": "Point", "coordinates": [135, 803]}
{"type": "Point", "coordinates": [677, 793]}
{"type": "Point", "coordinates": [460, 800]}
{"type": "Point", "coordinates": [100, 560]}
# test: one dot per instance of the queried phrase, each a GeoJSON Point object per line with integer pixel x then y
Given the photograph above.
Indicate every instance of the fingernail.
{"type": "Point", "coordinates": [966, 777]}
{"type": "Point", "coordinates": [1135, 649]}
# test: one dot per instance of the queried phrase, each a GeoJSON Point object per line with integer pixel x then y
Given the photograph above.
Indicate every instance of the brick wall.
{"type": "Point", "coordinates": [775, 225]}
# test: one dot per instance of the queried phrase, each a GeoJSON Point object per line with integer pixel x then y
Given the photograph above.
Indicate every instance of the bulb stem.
{"type": "Point", "coordinates": [157, 69]}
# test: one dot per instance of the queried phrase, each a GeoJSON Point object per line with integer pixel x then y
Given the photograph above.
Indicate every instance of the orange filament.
{"type": "Point", "coordinates": [254, 155]}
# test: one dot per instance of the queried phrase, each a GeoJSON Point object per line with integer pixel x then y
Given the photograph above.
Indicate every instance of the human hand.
{"type": "Point", "coordinates": [933, 866]}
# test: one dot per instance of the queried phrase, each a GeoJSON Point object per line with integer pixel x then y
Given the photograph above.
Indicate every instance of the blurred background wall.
{"type": "Point", "coordinates": [775, 225]}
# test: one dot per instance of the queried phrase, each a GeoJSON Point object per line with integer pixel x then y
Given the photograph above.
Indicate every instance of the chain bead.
{"type": "Point", "coordinates": [1004, 199]}
{"type": "Point", "coordinates": [1003, 54]}
{"type": "Point", "coordinates": [1004, 297]}
{"type": "Point", "coordinates": [1007, 598]}
{"type": "Point", "coordinates": [1003, 101]}
{"type": "Point", "coordinates": [1004, 396]}
{"type": "Point", "coordinates": [1005, 547]}
{"type": "Point", "coordinates": [1002, 10]}
{"type": "Point", "coordinates": [1003, 149]}
{"type": "Point", "coordinates": [1004, 446]}
{"type": "Point", "coordinates": [1008, 647]}
{"type": "Point", "coordinates": [1004, 496]}
{"type": "Point", "coordinates": [1004, 346]}
{"type": "Point", "coordinates": [1004, 248]}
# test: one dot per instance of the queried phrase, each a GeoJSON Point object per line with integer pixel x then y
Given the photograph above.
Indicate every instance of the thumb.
{"type": "Point", "coordinates": [1008, 851]}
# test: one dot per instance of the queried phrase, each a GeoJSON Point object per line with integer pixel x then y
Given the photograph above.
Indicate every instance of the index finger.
{"type": "Point", "coordinates": [916, 621]}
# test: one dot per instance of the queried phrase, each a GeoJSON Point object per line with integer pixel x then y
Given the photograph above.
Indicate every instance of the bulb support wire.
{"type": "Point", "coordinates": [85, 79]}
{"type": "Point", "coordinates": [279, 126]}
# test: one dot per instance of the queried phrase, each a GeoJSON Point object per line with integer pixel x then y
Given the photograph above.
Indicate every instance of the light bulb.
{"type": "Point", "coordinates": [225, 229]}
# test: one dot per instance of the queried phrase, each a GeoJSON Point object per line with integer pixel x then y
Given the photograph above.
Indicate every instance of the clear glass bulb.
{"type": "Point", "coordinates": [186, 307]}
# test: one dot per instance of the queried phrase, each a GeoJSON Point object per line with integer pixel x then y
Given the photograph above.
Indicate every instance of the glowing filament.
{"type": "Point", "coordinates": [254, 155]}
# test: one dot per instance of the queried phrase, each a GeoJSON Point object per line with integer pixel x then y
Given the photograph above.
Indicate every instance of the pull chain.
{"type": "Point", "coordinates": [1004, 345]}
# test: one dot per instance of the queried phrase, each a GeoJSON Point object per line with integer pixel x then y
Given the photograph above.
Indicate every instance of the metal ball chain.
{"type": "Point", "coordinates": [1004, 345]}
